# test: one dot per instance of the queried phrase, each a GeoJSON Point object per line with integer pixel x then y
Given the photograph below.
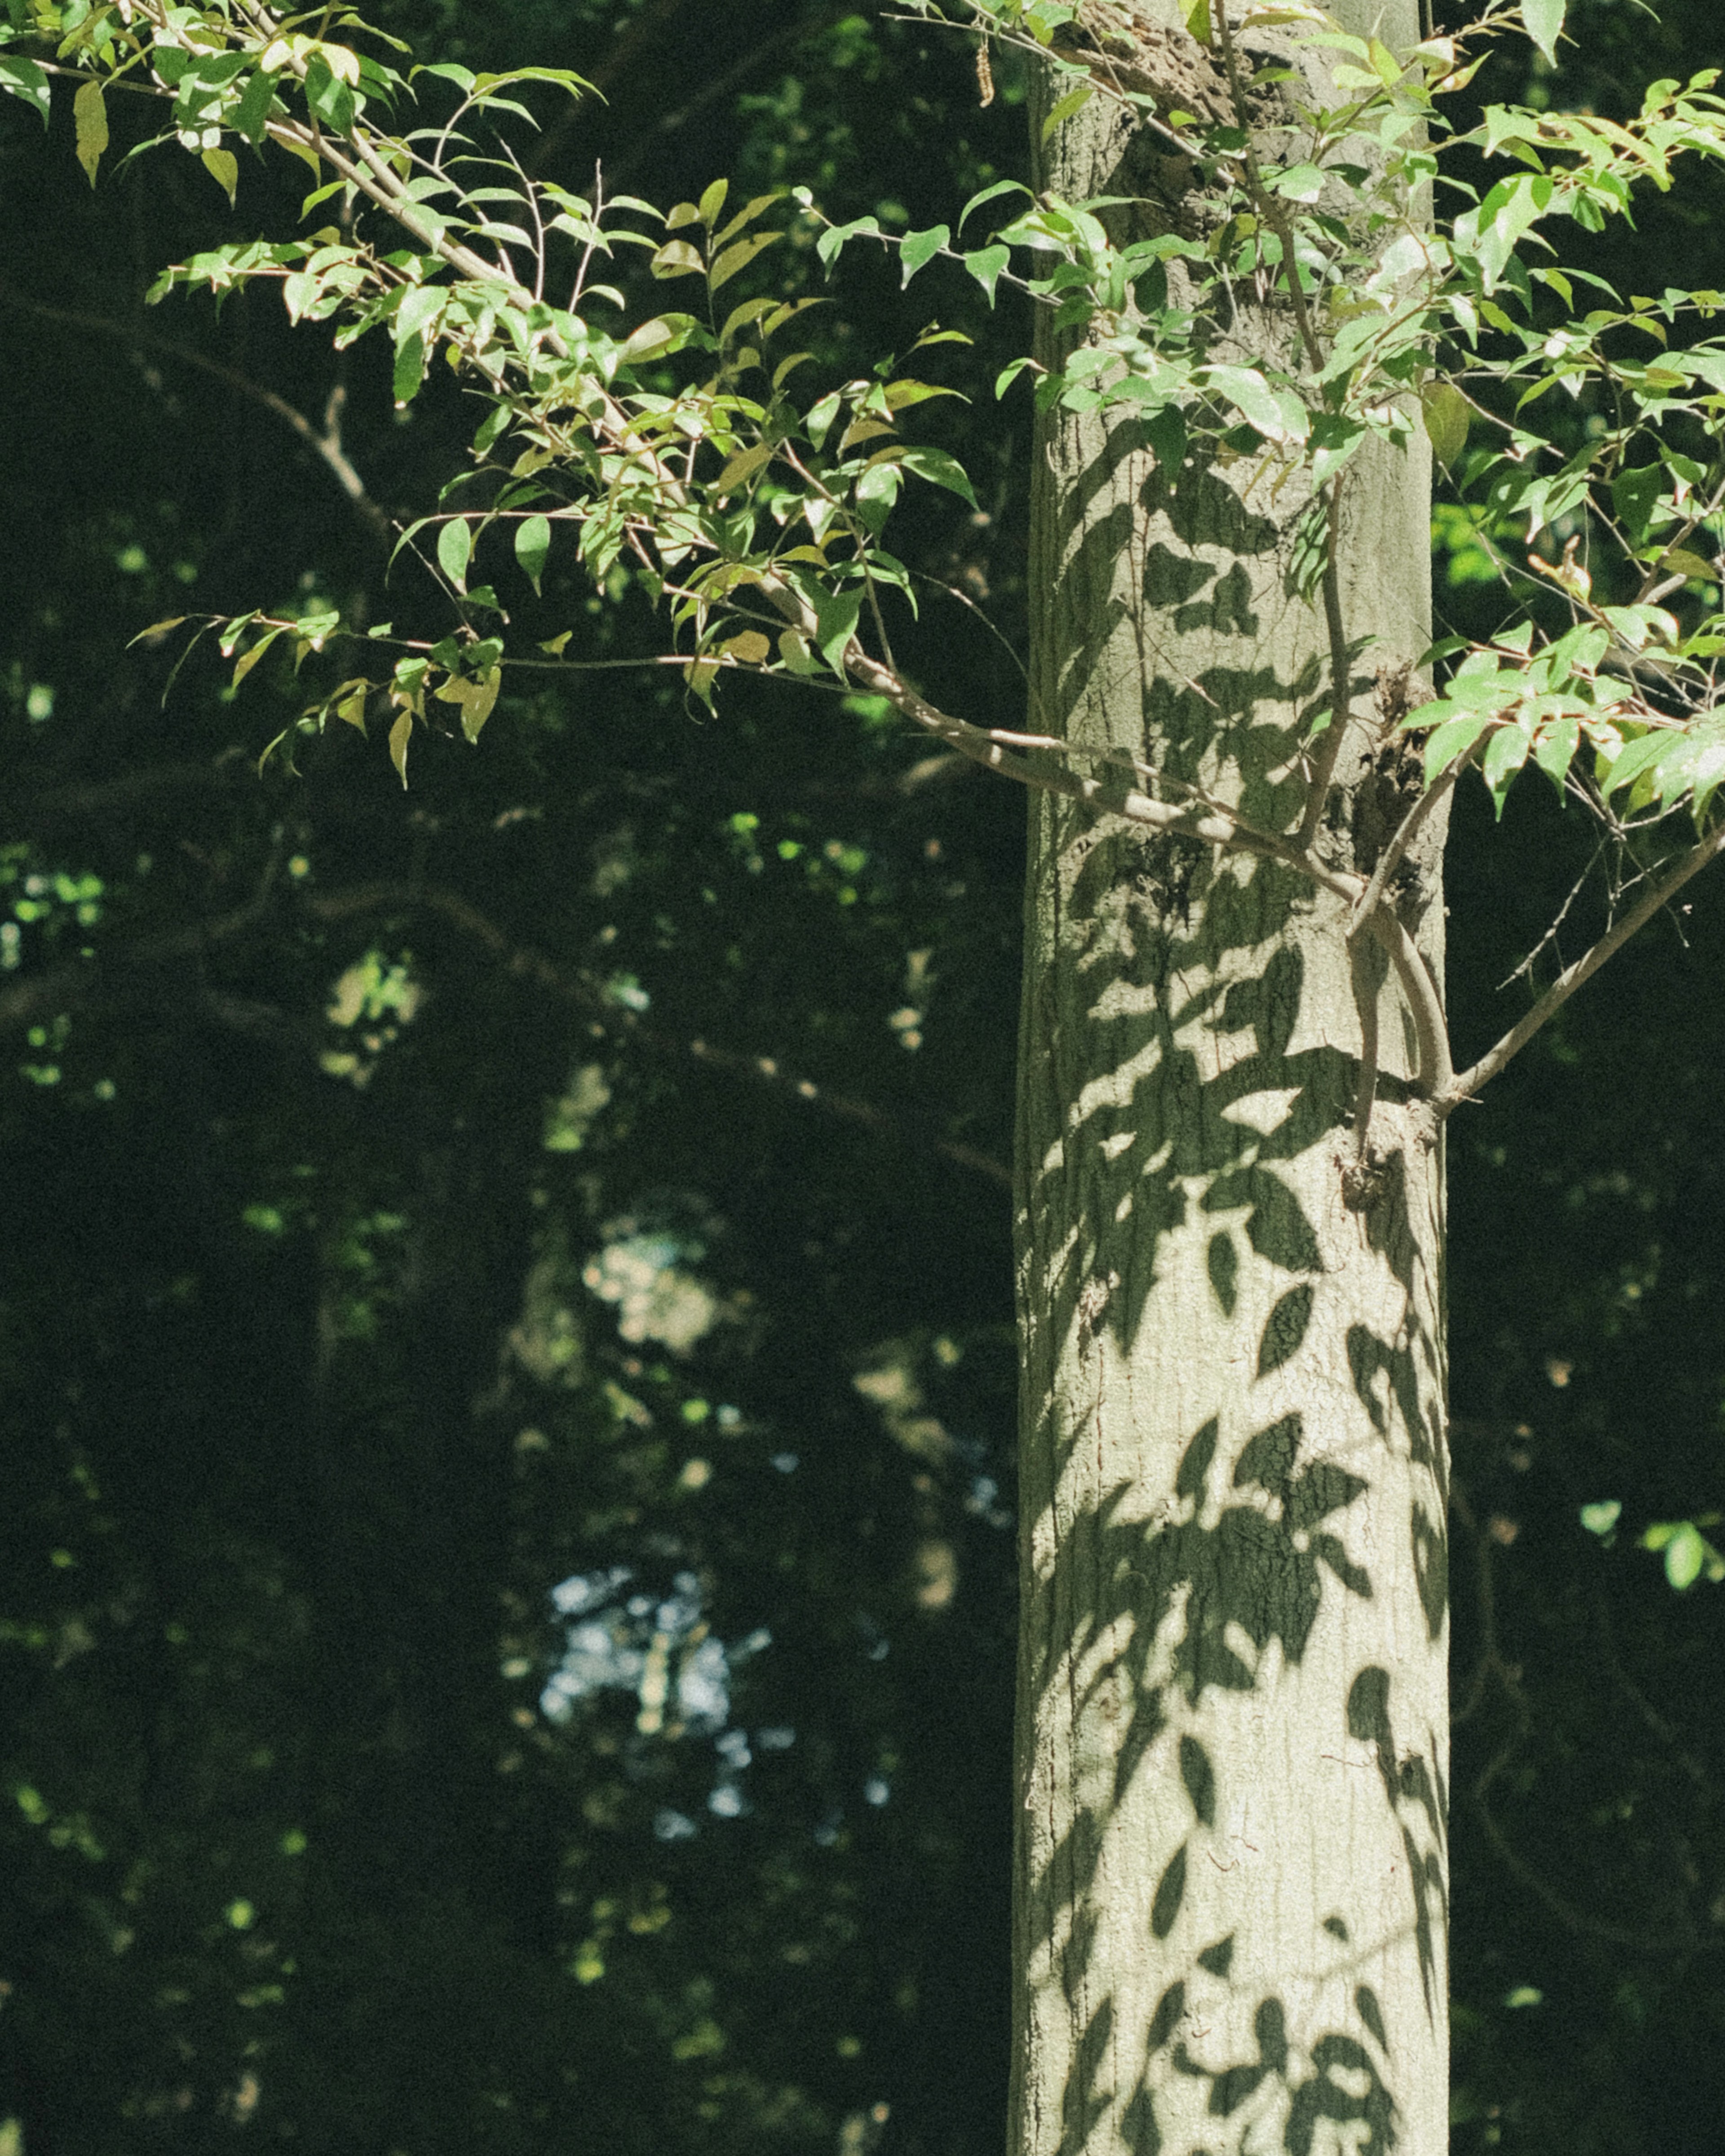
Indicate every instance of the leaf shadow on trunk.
{"type": "Point", "coordinates": [1161, 1610]}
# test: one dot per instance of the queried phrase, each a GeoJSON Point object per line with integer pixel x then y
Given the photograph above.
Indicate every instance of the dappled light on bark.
{"type": "Point", "coordinates": [1231, 1873]}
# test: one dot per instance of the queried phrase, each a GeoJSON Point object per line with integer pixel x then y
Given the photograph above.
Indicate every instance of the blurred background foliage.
{"type": "Point", "coordinates": [506, 1361]}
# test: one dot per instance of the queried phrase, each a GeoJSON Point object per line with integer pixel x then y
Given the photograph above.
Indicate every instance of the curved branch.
{"type": "Point", "coordinates": [1435, 1077]}
{"type": "Point", "coordinates": [1469, 1082]}
{"type": "Point", "coordinates": [526, 963]}
{"type": "Point", "coordinates": [326, 445]}
{"type": "Point", "coordinates": [1390, 860]}
{"type": "Point", "coordinates": [1211, 821]}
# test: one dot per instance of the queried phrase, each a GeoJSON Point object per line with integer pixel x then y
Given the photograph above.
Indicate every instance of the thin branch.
{"type": "Point", "coordinates": [326, 445]}
{"type": "Point", "coordinates": [1469, 1082]}
{"type": "Point", "coordinates": [1662, 1728]}
{"type": "Point", "coordinates": [1491, 1663]}
{"type": "Point", "coordinates": [1273, 213]}
{"type": "Point", "coordinates": [1576, 888]}
{"type": "Point", "coordinates": [1365, 1003]}
{"type": "Point", "coordinates": [1215, 823]}
{"type": "Point", "coordinates": [1390, 860]}
{"type": "Point", "coordinates": [82, 800]}
{"type": "Point", "coordinates": [55, 988]}
{"type": "Point", "coordinates": [1435, 1078]}
{"type": "Point", "coordinates": [523, 962]}
{"type": "Point", "coordinates": [1575, 1920]}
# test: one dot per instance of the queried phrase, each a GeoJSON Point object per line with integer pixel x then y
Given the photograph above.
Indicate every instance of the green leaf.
{"type": "Point", "coordinates": [834, 237]}
{"type": "Point", "coordinates": [918, 247]}
{"type": "Point", "coordinates": [1640, 757]}
{"type": "Point", "coordinates": [1334, 439]}
{"type": "Point", "coordinates": [676, 259]}
{"type": "Point", "coordinates": [1685, 1554]}
{"type": "Point", "coordinates": [1492, 232]}
{"type": "Point", "coordinates": [455, 551]}
{"type": "Point", "coordinates": [532, 544]}
{"type": "Point", "coordinates": [1600, 1519]}
{"type": "Point", "coordinates": [744, 218]}
{"type": "Point", "coordinates": [712, 201]}
{"type": "Point", "coordinates": [877, 488]}
{"type": "Point", "coordinates": [1450, 739]}
{"type": "Point", "coordinates": [1544, 20]}
{"type": "Point", "coordinates": [447, 71]}
{"type": "Point", "coordinates": [91, 114]}
{"type": "Point", "coordinates": [1252, 398]}
{"type": "Point", "coordinates": [409, 370]}
{"type": "Point", "coordinates": [1301, 183]}
{"type": "Point", "coordinates": [1196, 15]}
{"type": "Point", "coordinates": [821, 417]}
{"type": "Point", "coordinates": [837, 613]}
{"type": "Point", "coordinates": [1447, 414]}
{"type": "Point", "coordinates": [473, 695]}
{"type": "Point", "coordinates": [738, 256]}
{"type": "Point", "coordinates": [1554, 750]}
{"type": "Point", "coordinates": [940, 469]}
{"type": "Point", "coordinates": [989, 194]}
{"type": "Point", "coordinates": [743, 466]}
{"type": "Point", "coordinates": [251, 116]}
{"type": "Point", "coordinates": [1506, 752]}
{"type": "Point", "coordinates": [223, 168]}
{"type": "Point", "coordinates": [329, 97]}
{"type": "Point", "coordinates": [657, 339]}
{"type": "Point", "coordinates": [247, 659]}
{"type": "Point", "coordinates": [24, 78]}
{"type": "Point", "coordinates": [400, 734]}
{"type": "Point", "coordinates": [419, 310]}
{"type": "Point", "coordinates": [1635, 495]}
{"type": "Point", "coordinates": [1073, 101]}
{"type": "Point", "coordinates": [985, 264]}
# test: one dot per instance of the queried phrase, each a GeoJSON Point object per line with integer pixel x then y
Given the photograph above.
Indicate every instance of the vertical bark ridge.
{"type": "Point", "coordinates": [1230, 1889]}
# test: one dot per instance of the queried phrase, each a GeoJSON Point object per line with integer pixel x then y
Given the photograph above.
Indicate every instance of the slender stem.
{"type": "Point", "coordinates": [327, 446]}
{"type": "Point", "coordinates": [1467, 1083]}
{"type": "Point", "coordinates": [1329, 754]}
{"type": "Point", "coordinates": [1273, 213]}
{"type": "Point", "coordinates": [1390, 860]}
{"type": "Point", "coordinates": [1213, 823]}
{"type": "Point", "coordinates": [525, 962]}
{"type": "Point", "coordinates": [1365, 1002]}
{"type": "Point", "coordinates": [1435, 1077]}
{"type": "Point", "coordinates": [1269, 207]}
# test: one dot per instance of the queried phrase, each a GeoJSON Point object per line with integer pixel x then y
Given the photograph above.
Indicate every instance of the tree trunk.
{"type": "Point", "coordinates": [1230, 1890]}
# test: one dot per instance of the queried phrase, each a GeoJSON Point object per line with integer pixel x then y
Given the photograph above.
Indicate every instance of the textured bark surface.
{"type": "Point", "coordinates": [1230, 1871]}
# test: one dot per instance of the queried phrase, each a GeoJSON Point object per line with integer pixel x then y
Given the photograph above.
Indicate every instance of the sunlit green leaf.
{"type": "Point", "coordinates": [532, 546]}
{"type": "Point", "coordinates": [23, 79]}
{"type": "Point", "coordinates": [455, 551]}
{"type": "Point", "coordinates": [917, 248]}
{"type": "Point", "coordinates": [89, 113]}
{"type": "Point", "coordinates": [1544, 20]}
{"type": "Point", "coordinates": [940, 469]}
{"type": "Point", "coordinates": [1447, 415]}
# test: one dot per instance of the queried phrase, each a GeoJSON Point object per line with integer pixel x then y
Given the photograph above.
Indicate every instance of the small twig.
{"type": "Point", "coordinates": [1390, 860]}
{"type": "Point", "coordinates": [1550, 935]}
{"type": "Point", "coordinates": [1340, 672]}
{"type": "Point", "coordinates": [326, 445]}
{"type": "Point", "coordinates": [1365, 1003]}
{"type": "Point", "coordinates": [1435, 1078]}
{"type": "Point", "coordinates": [1470, 1081]}
{"type": "Point", "coordinates": [523, 962]}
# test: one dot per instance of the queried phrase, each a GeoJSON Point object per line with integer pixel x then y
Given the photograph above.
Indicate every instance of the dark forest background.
{"type": "Point", "coordinates": [507, 1372]}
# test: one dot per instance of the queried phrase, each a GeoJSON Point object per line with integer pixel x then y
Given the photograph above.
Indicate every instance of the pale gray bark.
{"type": "Point", "coordinates": [1231, 1887]}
